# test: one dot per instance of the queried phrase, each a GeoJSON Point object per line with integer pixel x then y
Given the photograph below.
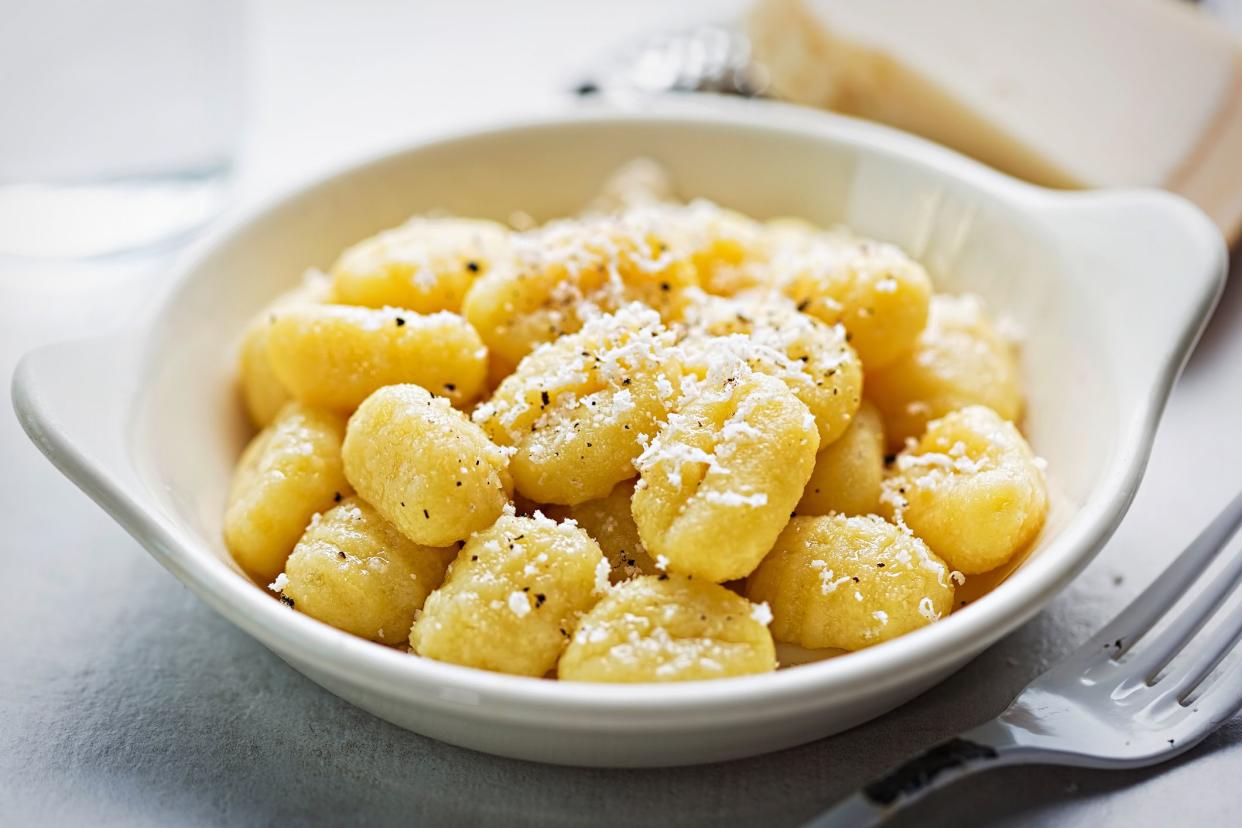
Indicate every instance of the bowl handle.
{"type": "Point", "coordinates": [1154, 266]}
{"type": "Point", "coordinates": [74, 400]}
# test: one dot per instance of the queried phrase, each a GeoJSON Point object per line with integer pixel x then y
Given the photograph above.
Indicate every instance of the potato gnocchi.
{"type": "Point", "coordinates": [576, 410]}
{"type": "Point", "coordinates": [849, 474]}
{"type": "Point", "coordinates": [513, 596]}
{"type": "Point", "coordinates": [971, 488]}
{"type": "Point", "coordinates": [669, 628]}
{"type": "Point", "coordinates": [610, 520]}
{"type": "Point", "coordinates": [567, 271]}
{"type": "Point", "coordinates": [425, 265]}
{"type": "Point", "coordinates": [959, 359]}
{"type": "Point", "coordinates": [878, 293]}
{"type": "Point", "coordinates": [812, 358]}
{"type": "Point", "coordinates": [289, 472]}
{"type": "Point", "coordinates": [457, 483]}
{"type": "Point", "coordinates": [336, 355]}
{"type": "Point", "coordinates": [849, 582]}
{"type": "Point", "coordinates": [354, 570]}
{"type": "Point", "coordinates": [640, 444]}
{"type": "Point", "coordinates": [718, 482]}
{"type": "Point", "coordinates": [262, 391]}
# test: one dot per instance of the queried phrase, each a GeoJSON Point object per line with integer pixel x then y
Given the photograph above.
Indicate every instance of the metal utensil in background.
{"type": "Point", "coordinates": [706, 58]}
{"type": "Point", "coordinates": [718, 58]}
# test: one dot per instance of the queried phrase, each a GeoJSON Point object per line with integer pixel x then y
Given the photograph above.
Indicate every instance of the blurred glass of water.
{"type": "Point", "coordinates": [118, 121]}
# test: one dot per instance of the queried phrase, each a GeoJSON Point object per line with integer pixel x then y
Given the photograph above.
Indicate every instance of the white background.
{"type": "Point", "coordinates": [124, 700]}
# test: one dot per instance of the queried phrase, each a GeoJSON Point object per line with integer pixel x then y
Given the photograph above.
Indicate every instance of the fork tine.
{"type": "Point", "coordinates": [1161, 650]}
{"type": "Point", "coordinates": [1137, 619]}
{"type": "Point", "coordinates": [1220, 700]}
{"type": "Point", "coordinates": [1207, 658]}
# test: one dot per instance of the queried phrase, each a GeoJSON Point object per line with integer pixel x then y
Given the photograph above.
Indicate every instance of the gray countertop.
{"type": "Point", "coordinates": [125, 700]}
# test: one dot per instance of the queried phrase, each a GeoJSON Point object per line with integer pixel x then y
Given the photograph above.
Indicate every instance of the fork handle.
{"type": "Point", "coordinates": [935, 768]}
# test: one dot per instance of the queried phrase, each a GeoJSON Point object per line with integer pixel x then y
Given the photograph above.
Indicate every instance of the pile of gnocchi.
{"type": "Point", "coordinates": [646, 443]}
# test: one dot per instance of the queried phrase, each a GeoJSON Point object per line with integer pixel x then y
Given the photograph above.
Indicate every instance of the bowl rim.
{"type": "Point", "coordinates": [395, 673]}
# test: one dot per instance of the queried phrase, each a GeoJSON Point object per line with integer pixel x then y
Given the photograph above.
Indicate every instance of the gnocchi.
{"type": "Point", "coordinates": [425, 265]}
{"type": "Point", "coordinates": [456, 483]}
{"type": "Point", "coordinates": [718, 482]}
{"type": "Point", "coordinates": [812, 358]}
{"type": "Point", "coordinates": [336, 355]}
{"type": "Point", "coordinates": [724, 247]}
{"type": "Point", "coordinates": [971, 488]}
{"type": "Point", "coordinates": [568, 270]}
{"type": "Point", "coordinates": [611, 522]}
{"type": "Point", "coordinates": [669, 628]}
{"type": "Point", "coordinates": [878, 293]}
{"type": "Point", "coordinates": [290, 471]}
{"type": "Point", "coordinates": [353, 569]}
{"type": "Point", "coordinates": [849, 474]}
{"type": "Point", "coordinates": [262, 392]}
{"type": "Point", "coordinates": [645, 443]}
{"type": "Point", "coordinates": [575, 410]}
{"type": "Point", "coordinates": [849, 582]}
{"type": "Point", "coordinates": [513, 596]}
{"type": "Point", "coordinates": [958, 360]}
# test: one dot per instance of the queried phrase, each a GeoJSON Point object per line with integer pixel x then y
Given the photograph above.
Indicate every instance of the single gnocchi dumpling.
{"type": "Point", "coordinates": [960, 359]}
{"type": "Point", "coordinates": [425, 265]}
{"type": "Point", "coordinates": [875, 290]}
{"type": "Point", "coordinates": [353, 570]}
{"type": "Point", "coordinates": [569, 270]}
{"type": "Point", "coordinates": [611, 523]}
{"type": "Point", "coordinates": [289, 472]}
{"type": "Point", "coordinates": [669, 628]}
{"type": "Point", "coordinates": [849, 473]}
{"type": "Point", "coordinates": [336, 355]}
{"type": "Point", "coordinates": [769, 333]}
{"type": "Point", "coordinates": [721, 477]}
{"type": "Point", "coordinates": [724, 246]}
{"type": "Point", "coordinates": [424, 466]}
{"type": "Point", "coordinates": [513, 596]}
{"type": "Point", "coordinates": [849, 582]}
{"type": "Point", "coordinates": [576, 409]}
{"type": "Point", "coordinates": [971, 488]}
{"type": "Point", "coordinates": [262, 392]}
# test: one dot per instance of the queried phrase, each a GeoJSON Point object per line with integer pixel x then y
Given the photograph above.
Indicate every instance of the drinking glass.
{"type": "Point", "coordinates": [119, 120]}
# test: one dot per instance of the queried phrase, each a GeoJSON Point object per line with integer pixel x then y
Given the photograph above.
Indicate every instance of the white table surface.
{"type": "Point", "coordinates": [125, 700]}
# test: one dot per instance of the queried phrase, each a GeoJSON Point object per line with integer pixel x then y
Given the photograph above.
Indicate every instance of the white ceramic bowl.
{"type": "Point", "coordinates": [1112, 290]}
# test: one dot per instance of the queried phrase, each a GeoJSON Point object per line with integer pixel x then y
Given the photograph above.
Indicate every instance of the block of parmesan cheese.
{"type": "Point", "coordinates": [1064, 93]}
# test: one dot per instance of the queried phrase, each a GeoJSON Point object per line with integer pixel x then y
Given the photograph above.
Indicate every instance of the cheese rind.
{"type": "Point", "coordinates": [1063, 93]}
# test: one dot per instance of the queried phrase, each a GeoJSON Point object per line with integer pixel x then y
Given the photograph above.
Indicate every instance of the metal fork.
{"type": "Point", "coordinates": [1107, 705]}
